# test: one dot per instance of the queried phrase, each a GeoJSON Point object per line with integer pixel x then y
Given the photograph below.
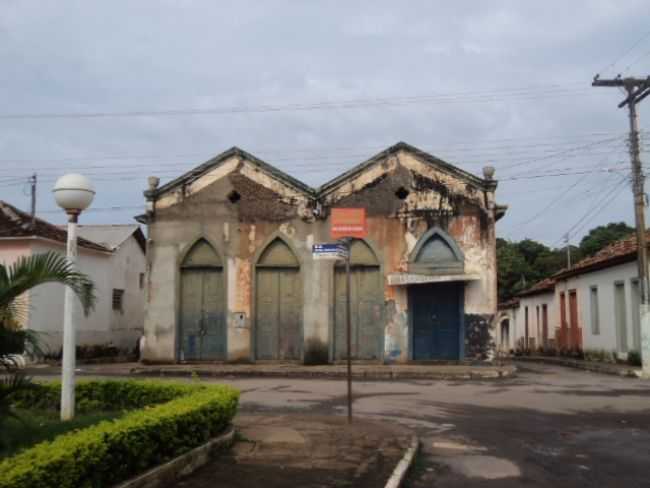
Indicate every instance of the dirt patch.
{"type": "Point", "coordinates": [306, 451]}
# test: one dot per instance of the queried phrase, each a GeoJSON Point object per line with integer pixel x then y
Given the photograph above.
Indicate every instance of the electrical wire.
{"type": "Point", "coordinates": [458, 97]}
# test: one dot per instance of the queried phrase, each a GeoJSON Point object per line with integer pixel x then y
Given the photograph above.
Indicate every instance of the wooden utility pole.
{"type": "Point", "coordinates": [32, 181]}
{"type": "Point", "coordinates": [637, 89]}
{"type": "Point", "coordinates": [568, 251]}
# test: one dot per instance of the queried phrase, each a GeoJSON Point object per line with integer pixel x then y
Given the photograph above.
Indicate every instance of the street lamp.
{"type": "Point", "coordinates": [73, 193]}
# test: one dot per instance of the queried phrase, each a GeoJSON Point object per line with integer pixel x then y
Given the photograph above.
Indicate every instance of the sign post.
{"type": "Point", "coordinates": [348, 223]}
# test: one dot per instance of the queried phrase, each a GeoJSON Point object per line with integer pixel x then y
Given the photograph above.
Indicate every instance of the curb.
{"type": "Point", "coordinates": [493, 374]}
{"type": "Point", "coordinates": [625, 372]}
{"type": "Point", "coordinates": [399, 473]}
{"type": "Point", "coordinates": [182, 465]}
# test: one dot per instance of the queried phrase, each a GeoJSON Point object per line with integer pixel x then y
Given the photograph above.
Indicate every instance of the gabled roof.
{"type": "Point", "coordinates": [112, 236]}
{"type": "Point", "coordinates": [621, 251]}
{"type": "Point", "coordinates": [424, 156]}
{"type": "Point", "coordinates": [16, 223]}
{"type": "Point", "coordinates": [315, 192]}
{"type": "Point", "coordinates": [224, 156]}
{"type": "Point", "coordinates": [547, 285]}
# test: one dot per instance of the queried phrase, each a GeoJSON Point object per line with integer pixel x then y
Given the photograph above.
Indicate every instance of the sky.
{"type": "Point", "coordinates": [122, 90]}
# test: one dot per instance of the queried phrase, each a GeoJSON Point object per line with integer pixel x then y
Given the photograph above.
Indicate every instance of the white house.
{"type": "Point", "coordinates": [599, 300]}
{"type": "Point", "coordinates": [593, 306]}
{"type": "Point", "coordinates": [114, 258]}
{"type": "Point", "coordinates": [529, 321]}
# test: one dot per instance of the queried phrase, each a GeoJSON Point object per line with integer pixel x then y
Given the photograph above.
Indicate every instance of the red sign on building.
{"type": "Point", "coordinates": [348, 222]}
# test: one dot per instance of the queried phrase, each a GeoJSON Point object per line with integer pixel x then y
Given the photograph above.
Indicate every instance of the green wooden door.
{"type": "Point", "coordinates": [202, 310]}
{"type": "Point", "coordinates": [278, 305]}
{"type": "Point", "coordinates": [366, 299]}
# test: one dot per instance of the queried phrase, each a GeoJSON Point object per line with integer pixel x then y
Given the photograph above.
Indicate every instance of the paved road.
{"type": "Point", "coordinates": [550, 426]}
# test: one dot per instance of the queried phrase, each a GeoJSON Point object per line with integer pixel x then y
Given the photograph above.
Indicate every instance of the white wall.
{"type": "Point", "coordinates": [127, 263]}
{"type": "Point", "coordinates": [120, 269]}
{"type": "Point", "coordinates": [604, 279]}
{"type": "Point", "coordinates": [535, 330]}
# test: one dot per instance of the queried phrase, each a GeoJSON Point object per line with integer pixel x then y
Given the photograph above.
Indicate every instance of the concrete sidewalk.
{"type": "Point", "coordinates": [624, 370]}
{"type": "Point", "coordinates": [364, 371]}
{"type": "Point", "coordinates": [307, 452]}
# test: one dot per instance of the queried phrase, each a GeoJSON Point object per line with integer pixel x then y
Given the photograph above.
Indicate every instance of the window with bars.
{"type": "Point", "coordinates": [118, 299]}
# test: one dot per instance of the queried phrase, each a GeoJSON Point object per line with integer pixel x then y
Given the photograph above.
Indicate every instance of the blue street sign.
{"type": "Point", "coordinates": [329, 251]}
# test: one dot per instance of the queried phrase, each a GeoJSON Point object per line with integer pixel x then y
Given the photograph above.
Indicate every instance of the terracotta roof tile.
{"type": "Point", "coordinates": [620, 251]}
{"type": "Point", "coordinates": [544, 286]}
{"type": "Point", "coordinates": [16, 223]}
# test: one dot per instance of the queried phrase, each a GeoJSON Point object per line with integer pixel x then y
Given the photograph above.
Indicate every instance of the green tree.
{"type": "Point", "coordinates": [513, 270]}
{"type": "Point", "coordinates": [602, 236]}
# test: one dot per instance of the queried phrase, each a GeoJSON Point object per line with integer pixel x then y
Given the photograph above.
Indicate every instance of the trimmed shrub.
{"type": "Point", "coordinates": [634, 358]}
{"type": "Point", "coordinates": [172, 419]}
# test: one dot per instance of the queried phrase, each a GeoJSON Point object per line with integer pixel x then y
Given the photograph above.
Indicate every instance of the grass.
{"type": "Point", "coordinates": [34, 426]}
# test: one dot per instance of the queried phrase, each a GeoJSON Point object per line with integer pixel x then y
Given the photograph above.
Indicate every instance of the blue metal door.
{"type": "Point", "coordinates": [435, 310]}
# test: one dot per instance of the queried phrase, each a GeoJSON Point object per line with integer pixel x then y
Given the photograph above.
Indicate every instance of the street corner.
{"type": "Point", "coordinates": [311, 451]}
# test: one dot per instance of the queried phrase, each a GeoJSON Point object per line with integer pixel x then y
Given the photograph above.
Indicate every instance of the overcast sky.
{"type": "Point", "coordinates": [475, 83]}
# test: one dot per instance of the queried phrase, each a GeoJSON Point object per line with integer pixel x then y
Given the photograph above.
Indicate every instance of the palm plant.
{"type": "Point", "coordinates": [15, 280]}
{"type": "Point", "coordinates": [30, 271]}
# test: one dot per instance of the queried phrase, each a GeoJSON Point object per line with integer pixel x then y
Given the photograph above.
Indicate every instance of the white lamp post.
{"type": "Point", "coordinates": [73, 193]}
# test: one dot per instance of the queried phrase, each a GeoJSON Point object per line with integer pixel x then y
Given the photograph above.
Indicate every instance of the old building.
{"type": "Point", "coordinates": [231, 275]}
{"type": "Point", "coordinates": [529, 321]}
{"type": "Point", "coordinates": [111, 255]}
{"type": "Point", "coordinates": [599, 301]}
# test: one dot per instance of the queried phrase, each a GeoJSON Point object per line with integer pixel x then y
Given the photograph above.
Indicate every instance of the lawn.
{"type": "Point", "coordinates": [34, 426]}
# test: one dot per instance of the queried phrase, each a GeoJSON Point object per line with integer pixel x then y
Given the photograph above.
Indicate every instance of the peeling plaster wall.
{"type": "Point", "coordinates": [268, 207]}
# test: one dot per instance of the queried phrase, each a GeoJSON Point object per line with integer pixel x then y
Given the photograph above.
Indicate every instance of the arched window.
{"type": "Point", "coordinates": [437, 253]}
{"type": "Point", "coordinates": [201, 255]}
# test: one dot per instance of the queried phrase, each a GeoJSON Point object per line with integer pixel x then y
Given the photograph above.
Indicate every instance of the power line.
{"type": "Point", "coordinates": [458, 97]}
{"type": "Point", "coordinates": [605, 200]}
{"type": "Point", "coordinates": [628, 51]}
{"type": "Point", "coordinates": [554, 201]}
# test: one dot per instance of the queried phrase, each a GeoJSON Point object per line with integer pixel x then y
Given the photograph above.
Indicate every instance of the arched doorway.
{"type": "Point", "coordinates": [278, 305]}
{"type": "Point", "coordinates": [436, 309]}
{"type": "Point", "coordinates": [366, 304]}
{"type": "Point", "coordinates": [202, 310]}
{"type": "Point", "coordinates": [505, 335]}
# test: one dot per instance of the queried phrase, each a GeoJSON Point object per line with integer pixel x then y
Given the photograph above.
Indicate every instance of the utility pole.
{"type": "Point", "coordinates": [568, 251]}
{"type": "Point", "coordinates": [637, 89]}
{"type": "Point", "coordinates": [32, 181]}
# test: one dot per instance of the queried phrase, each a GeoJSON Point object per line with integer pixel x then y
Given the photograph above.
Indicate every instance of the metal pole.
{"type": "Point", "coordinates": [642, 250]}
{"type": "Point", "coordinates": [348, 320]}
{"type": "Point", "coordinates": [69, 339]}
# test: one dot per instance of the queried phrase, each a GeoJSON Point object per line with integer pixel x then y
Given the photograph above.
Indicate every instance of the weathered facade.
{"type": "Point", "coordinates": [231, 275]}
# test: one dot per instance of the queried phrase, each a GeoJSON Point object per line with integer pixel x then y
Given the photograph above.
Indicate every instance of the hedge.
{"type": "Point", "coordinates": [171, 420]}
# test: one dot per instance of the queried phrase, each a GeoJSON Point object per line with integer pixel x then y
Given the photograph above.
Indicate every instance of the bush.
{"type": "Point", "coordinates": [634, 358]}
{"type": "Point", "coordinates": [172, 419]}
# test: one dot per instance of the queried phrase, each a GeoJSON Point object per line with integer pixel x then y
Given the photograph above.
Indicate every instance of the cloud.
{"type": "Point", "coordinates": [70, 56]}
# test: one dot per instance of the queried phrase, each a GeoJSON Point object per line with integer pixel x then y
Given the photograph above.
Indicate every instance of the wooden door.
{"type": "Point", "coordinates": [436, 321]}
{"type": "Point", "coordinates": [202, 309]}
{"type": "Point", "coordinates": [278, 304]}
{"type": "Point", "coordinates": [365, 313]}
{"type": "Point", "coordinates": [564, 336]}
{"type": "Point", "coordinates": [620, 317]}
{"type": "Point", "coordinates": [366, 300]}
{"type": "Point", "coordinates": [545, 325]}
{"type": "Point", "coordinates": [573, 318]}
